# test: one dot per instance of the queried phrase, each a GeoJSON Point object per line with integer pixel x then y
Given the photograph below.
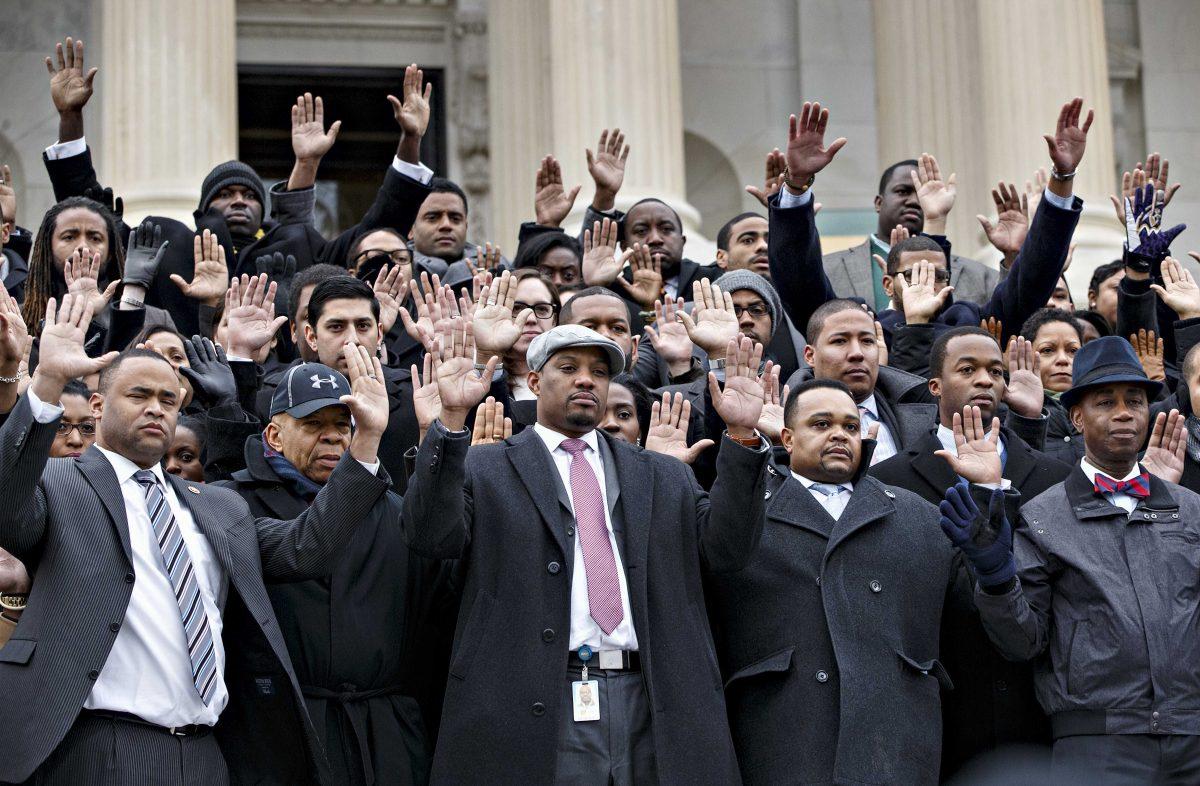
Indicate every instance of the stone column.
{"type": "Point", "coordinates": [168, 92]}
{"type": "Point", "coordinates": [562, 70]}
{"type": "Point", "coordinates": [977, 83]}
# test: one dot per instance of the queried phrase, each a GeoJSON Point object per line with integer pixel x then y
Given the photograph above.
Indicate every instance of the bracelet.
{"type": "Point", "coordinates": [132, 302]}
{"type": "Point", "coordinates": [716, 364]}
{"type": "Point", "coordinates": [1054, 173]}
{"type": "Point", "coordinates": [751, 442]}
{"type": "Point", "coordinates": [13, 380]}
{"type": "Point", "coordinates": [787, 181]}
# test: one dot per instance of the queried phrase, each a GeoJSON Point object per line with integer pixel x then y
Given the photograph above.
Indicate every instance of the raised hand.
{"type": "Point", "coordinates": [1179, 290]}
{"type": "Point", "coordinates": [310, 140]}
{"type": "Point", "coordinates": [995, 329]}
{"type": "Point", "coordinates": [144, 254]}
{"type": "Point", "coordinates": [978, 458]}
{"type": "Point", "coordinates": [1035, 188]}
{"type": "Point", "coordinates": [646, 287]}
{"type": "Point", "coordinates": [776, 168]}
{"type": "Point", "coordinates": [806, 151]}
{"type": "Point", "coordinates": [669, 337]}
{"type": "Point", "coordinates": [601, 266]}
{"type": "Point", "coordinates": [935, 195]}
{"type": "Point", "coordinates": [881, 342]}
{"type": "Point", "coordinates": [208, 370]}
{"type": "Point", "coordinates": [210, 273]}
{"type": "Point", "coordinates": [1012, 221]}
{"type": "Point", "coordinates": [435, 308]}
{"type": "Point", "coordinates": [740, 403]}
{"type": "Point", "coordinates": [490, 424]}
{"type": "Point", "coordinates": [487, 259]}
{"type": "Point", "coordinates": [1150, 353]}
{"type": "Point", "coordinates": [1131, 183]}
{"type": "Point", "coordinates": [250, 315]}
{"type": "Point", "coordinates": [460, 386]}
{"type": "Point", "coordinates": [988, 547]}
{"type": "Point", "coordinates": [496, 330]}
{"type": "Point", "coordinates": [1069, 139]}
{"type": "Point", "coordinates": [551, 202]}
{"type": "Point", "coordinates": [924, 297]}
{"type": "Point", "coordinates": [61, 356]}
{"type": "Point", "coordinates": [70, 85]}
{"type": "Point", "coordinates": [1157, 169]}
{"type": "Point", "coordinates": [8, 197]}
{"type": "Point", "coordinates": [280, 269]}
{"type": "Point", "coordinates": [14, 335]}
{"type": "Point", "coordinates": [771, 423]}
{"type": "Point", "coordinates": [81, 272]}
{"type": "Point", "coordinates": [898, 235]}
{"type": "Point", "coordinates": [389, 287]}
{"type": "Point", "coordinates": [14, 578]}
{"type": "Point", "coordinates": [668, 430]}
{"type": "Point", "coordinates": [412, 114]}
{"type": "Point", "coordinates": [368, 401]}
{"type": "Point", "coordinates": [427, 405]}
{"type": "Point", "coordinates": [713, 322]}
{"type": "Point", "coordinates": [607, 168]}
{"type": "Point", "coordinates": [1167, 449]}
{"type": "Point", "coordinates": [1024, 394]}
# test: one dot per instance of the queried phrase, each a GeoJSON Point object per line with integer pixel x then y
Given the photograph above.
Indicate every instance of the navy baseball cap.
{"type": "Point", "coordinates": [308, 387]}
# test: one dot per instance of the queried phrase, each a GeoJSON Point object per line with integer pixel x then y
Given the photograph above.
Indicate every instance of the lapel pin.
{"type": "Point", "coordinates": [193, 489]}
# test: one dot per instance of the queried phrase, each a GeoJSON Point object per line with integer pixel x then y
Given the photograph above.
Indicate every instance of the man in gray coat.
{"type": "Point", "coordinates": [1103, 593]}
{"type": "Point", "coordinates": [582, 559]}
{"type": "Point", "coordinates": [828, 638]}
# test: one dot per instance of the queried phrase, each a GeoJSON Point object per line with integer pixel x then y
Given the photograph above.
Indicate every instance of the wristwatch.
{"type": "Point", "coordinates": [13, 601]}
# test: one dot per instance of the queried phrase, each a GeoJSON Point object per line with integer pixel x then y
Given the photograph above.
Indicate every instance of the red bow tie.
{"type": "Point", "coordinates": [1138, 487]}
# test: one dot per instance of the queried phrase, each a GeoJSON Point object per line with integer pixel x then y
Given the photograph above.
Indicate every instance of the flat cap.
{"type": "Point", "coordinates": [566, 336]}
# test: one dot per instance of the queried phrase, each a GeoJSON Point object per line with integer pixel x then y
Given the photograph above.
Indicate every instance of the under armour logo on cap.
{"type": "Point", "coordinates": [318, 382]}
{"type": "Point", "coordinates": [307, 387]}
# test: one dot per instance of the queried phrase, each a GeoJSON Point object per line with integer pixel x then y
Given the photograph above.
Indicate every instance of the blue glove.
{"type": "Point", "coordinates": [1147, 243]}
{"type": "Point", "coordinates": [990, 549]}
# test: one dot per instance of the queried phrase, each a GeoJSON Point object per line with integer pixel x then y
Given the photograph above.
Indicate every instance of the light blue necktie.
{"type": "Point", "coordinates": [178, 564]}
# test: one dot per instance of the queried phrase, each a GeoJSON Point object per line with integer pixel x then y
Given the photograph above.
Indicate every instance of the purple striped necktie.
{"type": "Point", "coordinates": [181, 572]}
{"type": "Point", "coordinates": [1138, 487]}
{"type": "Point", "coordinates": [599, 563]}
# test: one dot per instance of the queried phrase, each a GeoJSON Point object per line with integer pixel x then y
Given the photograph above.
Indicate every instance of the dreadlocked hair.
{"type": "Point", "coordinates": [44, 281]}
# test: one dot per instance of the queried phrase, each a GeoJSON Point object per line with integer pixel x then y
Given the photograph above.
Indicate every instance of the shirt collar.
{"type": "Point", "coordinates": [882, 244]}
{"type": "Point", "coordinates": [946, 437]}
{"type": "Point", "coordinates": [1091, 471]}
{"type": "Point", "coordinates": [869, 405]}
{"type": "Point", "coordinates": [808, 483]}
{"type": "Point", "coordinates": [552, 439]}
{"type": "Point", "coordinates": [126, 469]}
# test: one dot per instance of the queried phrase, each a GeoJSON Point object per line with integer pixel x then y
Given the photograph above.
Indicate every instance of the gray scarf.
{"type": "Point", "coordinates": [1193, 437]}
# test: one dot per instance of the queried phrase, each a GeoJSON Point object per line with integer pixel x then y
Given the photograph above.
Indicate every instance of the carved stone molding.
{"type": "Point", "coordinates": [469, 114]}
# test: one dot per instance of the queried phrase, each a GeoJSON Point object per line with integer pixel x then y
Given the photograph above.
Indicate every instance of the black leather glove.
{"type": "Point", "coordinates": [104, 196]}
{"type": "Point", "coordinates": [145, 252]}
{"type": "Point", "coordinates": [212, 379]}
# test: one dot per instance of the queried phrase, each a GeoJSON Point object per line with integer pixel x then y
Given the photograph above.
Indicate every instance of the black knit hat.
{"type": "Point", "coordinates": [231, 173]}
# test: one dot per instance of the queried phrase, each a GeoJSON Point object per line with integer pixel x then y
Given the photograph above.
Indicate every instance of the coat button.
{"type": "Point", "coordinates": [128, 578]}
{"type": "Point", "coordinates": [570, 532]}
{"type": "Point", "coordinates": [547, 635]}
{"type": "Point", "coordinates": [818, 581]}
{"type": "Point", "coordinates": [1066, 439]}
{"type": "Point", "coordinates": [1154, 725]}
{"type": "Point", "coordinates": [822, 676]}
{"type": "Point", "coordinates": [1154, 715]}
{"type": "Point", "coordinates": [93, 675]}
{"type": "Point", "coordinates": [876, 586]}
{"type": "Point", "coordinates": [553, 568]}
{"type": "Point", "coordinates": [114, 626]}
{"type": "Point", "coordinates": [767, 494]}
{"type": "Point", "coordinates": [538, 709]}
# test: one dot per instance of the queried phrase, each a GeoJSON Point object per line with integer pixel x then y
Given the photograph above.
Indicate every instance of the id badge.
{"type": "Point", "coordinates": [585, 700]}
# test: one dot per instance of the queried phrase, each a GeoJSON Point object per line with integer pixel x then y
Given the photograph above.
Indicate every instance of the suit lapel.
{"type": "Point", "coordinates": [632, 475]}
{"type": "Point", "coordinates": [99, 472]}
{"type": "Point", "coordinates": [1018, 465]}
{"type": "Point", "coordinates": [535, 468]}
{"type": "Point", "coordinates": [869, 503]}
{"type": "Point", "coordinates": [793, 504]}
{"type": "Point", "coordinates": [933, 469]}
{"type": "Point", "coordinates": [857, 262]}
{"type": "Point", "coordinates": [212, 528]}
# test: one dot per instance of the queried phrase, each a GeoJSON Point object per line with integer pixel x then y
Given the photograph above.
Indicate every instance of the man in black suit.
{"type": "Point", "coordinates": [831, 632]}
{"type": "Point", "coordinates": [148, 623]}
{"type": "Point", "coordinates": [993, 702]}
{"type": "Point", "coordinates": [582, 560]}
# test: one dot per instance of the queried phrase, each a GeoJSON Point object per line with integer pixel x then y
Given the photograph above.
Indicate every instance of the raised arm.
{"type": "Point", "coordinates": [794, 246]}
{"type": "Point", "coordinates": [71, 86]}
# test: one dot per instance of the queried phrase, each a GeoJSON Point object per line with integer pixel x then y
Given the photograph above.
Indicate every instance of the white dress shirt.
{"type": "Point", "coordinates": [584, 629]}
{"type": "Point", "coordinates": [885, 444]}
{"type": "Point", "coordinates": [148, 672]}
{"type": "Point", "coordinates": [1120, 499]}
{"type": "Point", "coordinates": [834, 504]}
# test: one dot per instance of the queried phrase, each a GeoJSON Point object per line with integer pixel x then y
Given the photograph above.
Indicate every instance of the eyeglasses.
{"type": "Point", "coordinates": [940, 275]}
{"type": "Point", "coordinates": [86, 429]}
{"type": "Point", "coordinates": [755, 310]}
{"type": "Point", "coordinates": [399, 257]}
{"type": "Point", "coordinates": [540, 310]}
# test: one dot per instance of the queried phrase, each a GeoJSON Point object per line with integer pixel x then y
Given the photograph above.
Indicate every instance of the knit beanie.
{"type": "Point", "coordinates": [734, 280]}
{"type": "Point", "coordinates": [231, 173]}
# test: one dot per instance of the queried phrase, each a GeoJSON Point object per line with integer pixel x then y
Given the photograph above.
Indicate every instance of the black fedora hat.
{"type": "Point", "coordinates": [1105, 361]}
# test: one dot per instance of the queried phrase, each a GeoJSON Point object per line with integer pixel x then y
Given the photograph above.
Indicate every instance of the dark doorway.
{"type": "Point", "coordinates": [353, 170]}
